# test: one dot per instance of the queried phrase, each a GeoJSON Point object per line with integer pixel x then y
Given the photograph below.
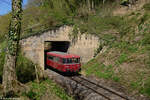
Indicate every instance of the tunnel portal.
{"type": "Point", "coordinates": [35, 46]}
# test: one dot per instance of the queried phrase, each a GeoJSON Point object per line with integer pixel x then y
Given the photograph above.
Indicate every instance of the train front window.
{"type": "Point", "coordinates": [64, 60]}
{"type": "Point", "coordinates": [71, 60]}
{"type": "Point", "coordinates": [50, 57]}
{"type": "Point", "coordinates": [77, 60]}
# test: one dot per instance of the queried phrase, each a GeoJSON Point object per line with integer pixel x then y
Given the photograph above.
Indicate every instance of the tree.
{"type": "Point", "coordinates": [9, 71]}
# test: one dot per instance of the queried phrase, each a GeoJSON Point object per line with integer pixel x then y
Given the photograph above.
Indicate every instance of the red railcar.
{"type": "Point", "coordinates": [63, 62]}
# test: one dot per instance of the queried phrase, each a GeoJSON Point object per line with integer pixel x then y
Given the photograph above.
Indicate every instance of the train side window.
{"type": "Point", "coordinates": [56, 59]}
{"type": "Point", "coordinates": [50, 57]}
{"type": "Point", "coordinates": [78, 60]}
{"type": "Point", "coordinates": [64, 60]}
{"type": "Point", "coordinates": [69, 60]}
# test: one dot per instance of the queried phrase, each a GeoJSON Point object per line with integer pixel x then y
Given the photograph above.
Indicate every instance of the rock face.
{"type": "Point", "coordinates": [84, 46]}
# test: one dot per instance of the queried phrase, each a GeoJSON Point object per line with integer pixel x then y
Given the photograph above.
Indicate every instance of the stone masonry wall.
{"type": "Point", "coordinates": [33, 47]}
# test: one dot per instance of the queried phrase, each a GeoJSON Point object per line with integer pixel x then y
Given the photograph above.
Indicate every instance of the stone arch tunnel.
{"type": "Point", "coordinates": [34, 47]}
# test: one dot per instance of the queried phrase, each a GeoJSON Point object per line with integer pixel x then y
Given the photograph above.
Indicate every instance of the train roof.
{"type": "Point", "coordinates": [62, 54]}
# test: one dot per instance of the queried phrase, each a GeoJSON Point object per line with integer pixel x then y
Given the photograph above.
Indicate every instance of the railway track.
{"type": "Point", "coordinates": [105, 92]}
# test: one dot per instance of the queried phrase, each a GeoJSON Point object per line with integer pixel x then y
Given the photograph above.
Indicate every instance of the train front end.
{"type": "Point", "coordinates": [72, 64]}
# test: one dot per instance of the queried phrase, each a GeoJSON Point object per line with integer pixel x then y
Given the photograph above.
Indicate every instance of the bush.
{"type": "Point", "coordinates": [25, 69]}
{"type": "Point", "coordinates": [31, 94]}
{"type": "Point", "coordinates": [147, 6]}
{"type": "Point", "coordinates": [146, 88]}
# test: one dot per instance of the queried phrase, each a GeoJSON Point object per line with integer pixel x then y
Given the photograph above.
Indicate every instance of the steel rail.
{"type": "Point", "coordinates": [100, 86]}
{"type": "Point", "coordinates": [90, 88]}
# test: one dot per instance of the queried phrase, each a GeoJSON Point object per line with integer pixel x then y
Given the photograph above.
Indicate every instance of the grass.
{"type": "Point", "coordinates": [46, 87]}
{"type": "Point", "coordinates": [126, 61]}
{"type": "Point", "coordinates": [135, 80]}
{"type": "Point", "coordinates": [101, 24]}
{"type": "Point", "coordinates": [100, 70]}
{"type": "Point", "coordinates": [122, 58]}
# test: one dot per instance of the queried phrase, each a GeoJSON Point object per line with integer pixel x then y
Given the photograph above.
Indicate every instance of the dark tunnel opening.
{"type": "Point", "coordinates": [61, 46]}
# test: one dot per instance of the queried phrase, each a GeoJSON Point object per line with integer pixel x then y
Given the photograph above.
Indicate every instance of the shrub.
{"type": "Point", "coordinates": [146, 88]}
{"type": "Point", "coordinates": [147, 6]}
{"type": "Point", "coordinates": [31, 94]}
{"type": "Point", "coordinates": [25, 69]}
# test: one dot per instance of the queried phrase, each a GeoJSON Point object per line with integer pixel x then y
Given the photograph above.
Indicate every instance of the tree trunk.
{"type": "Point", "coordinates": [9, 71]}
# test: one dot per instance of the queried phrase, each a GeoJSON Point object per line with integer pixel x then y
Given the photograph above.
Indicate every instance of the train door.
{"type": "Point", "coordinates": [55, 62]}
{"type": "Point", "coordinates": [49, 61]}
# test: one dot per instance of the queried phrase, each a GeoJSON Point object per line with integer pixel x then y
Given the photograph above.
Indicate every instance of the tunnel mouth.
{"type": "Point", "coordinates": [61, 46]}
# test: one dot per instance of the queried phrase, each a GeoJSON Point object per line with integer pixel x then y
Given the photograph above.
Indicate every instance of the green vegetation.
{"type": "Point", "coordinates": [147, 6]}
{"type": "Point", "coordinates": [127, 58]}
{"type": "Point", "coordinates": [100, 70]}
{"type": "Point", "coordinates": [55, 13]}
{"type": "Point", "coordinates": [25, 71]}
{"type": "Point", "coordinates": [46, 87]}
{"type": "Point", "coordinates": [4, 23]}
{"type": "Point", "coordinates": [146, 87]}
{"type": "Point", "coordinates": [2, 59]}
{"type": "Point", "coordinates": [122, 58]}
{"type": "Point", "coordinates": [25, 68]}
